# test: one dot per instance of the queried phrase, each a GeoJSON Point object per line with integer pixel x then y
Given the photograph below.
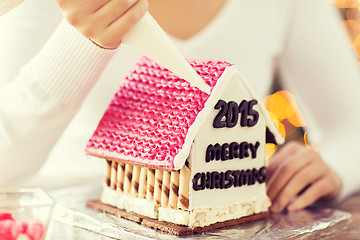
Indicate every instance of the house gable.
{"type": "Point", "coordinates": [248, 142]}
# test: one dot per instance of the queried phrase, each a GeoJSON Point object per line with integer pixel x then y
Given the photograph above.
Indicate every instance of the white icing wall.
{"type": "Point", "coordinates": [236, 91]}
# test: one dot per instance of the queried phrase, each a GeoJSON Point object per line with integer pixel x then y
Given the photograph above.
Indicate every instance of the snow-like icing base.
{"type": "Point", "coordinates": [129, 202]}
{"type": "Point", "coordinates": [198, 217]}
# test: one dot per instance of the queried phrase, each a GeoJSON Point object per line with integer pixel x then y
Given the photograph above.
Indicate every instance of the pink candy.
{"type": "Point", "coordinates": [11, 230]}
{"type": "Point", "coordinates": [8, 230]}
{"type": "Point", "coordinates": [36, 230]}
{"type": "Point", "coordinates": [6, 216]}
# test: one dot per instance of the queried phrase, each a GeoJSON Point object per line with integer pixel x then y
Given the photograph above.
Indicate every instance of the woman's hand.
{"type": "Point", "coordinates": [297, 177]}
{"type": "Point", "coordinates": [105, 22]}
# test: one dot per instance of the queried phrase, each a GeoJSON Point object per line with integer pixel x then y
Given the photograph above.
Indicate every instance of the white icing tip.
{"type": "Point", "coordinates": [203, 87]}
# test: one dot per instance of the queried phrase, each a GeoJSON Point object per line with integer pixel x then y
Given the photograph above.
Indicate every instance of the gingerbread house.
{"type": "Point", "coordinates": [178, 155]}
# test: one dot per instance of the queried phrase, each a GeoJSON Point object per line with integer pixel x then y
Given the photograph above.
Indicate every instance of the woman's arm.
{"type": "Point", "coordinates": [24, 31]}
{"type": "Point", "coordinates": [37, 106]}
{"type": "Point", "coordinates": [319, 67]}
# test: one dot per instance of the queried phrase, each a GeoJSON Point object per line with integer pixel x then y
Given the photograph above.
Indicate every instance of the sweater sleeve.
{"type": "Point", "coordinates": [23, 32]}
{"type": "Point", "coordinates": [36, 107]}
{"type": "Point", "coordinates": [320, 68]}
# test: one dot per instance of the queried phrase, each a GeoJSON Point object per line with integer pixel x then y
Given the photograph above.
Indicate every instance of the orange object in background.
{"type": "Point", "coordinates": [350, 10]}
{"type": "Point", "coordinates": [347, 3]}
{"type": "Point", "coordinates": [282, 106]}
{"type": "Point", "coordinates": [352, 27]}
{"type": "Point", "coordinates": [356, 45]}
{"type": "Point", "coordinates": [286, 116]}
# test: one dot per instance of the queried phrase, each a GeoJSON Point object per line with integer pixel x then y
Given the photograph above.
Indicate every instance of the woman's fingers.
{"type": "Point", "coordinates": [105, 22]}
{"type": "Point", "coordinates": [288, 150]}
{"type": "Point", "coordinates": [316, 190]}
{"type": "Point", "coordinates": [113, 34]}
{"type": "Point", "coordinates": [299, 177]}
{"type": "Point", "coordinates": [113, 10]}
{"type": "Point", "coordinates": [305, 177]}
{"type": "Point", "coordinates": [284, 174]}
{"type": "Point", "coordinates": [286, 164]}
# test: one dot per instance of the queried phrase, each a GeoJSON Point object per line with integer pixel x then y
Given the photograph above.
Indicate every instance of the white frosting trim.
{"type": "Point", "coordinates": [207, 216]}
{"type": "Point", "coordinates": [176, 216]}
{"type": "Point", "coordinates": [198, 217]}
{"type": "Point", "coordinates": [129, 202]}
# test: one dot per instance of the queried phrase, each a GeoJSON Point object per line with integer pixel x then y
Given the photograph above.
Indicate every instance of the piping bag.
{"type": "Point", "coordinates": [149, 39]}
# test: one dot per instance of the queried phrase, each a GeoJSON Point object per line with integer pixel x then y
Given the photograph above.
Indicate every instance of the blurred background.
{"type": "Point", "coordinates": [282, 105]}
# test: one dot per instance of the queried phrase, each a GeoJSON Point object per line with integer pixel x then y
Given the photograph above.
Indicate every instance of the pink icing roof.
{"type": "Point", "coordinates": [148, 118]}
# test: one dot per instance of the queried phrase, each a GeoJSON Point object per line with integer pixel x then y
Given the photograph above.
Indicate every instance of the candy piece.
{"type": "Point", "coordinates": [6, 216]}
{"type": "Point", "coordinates": [184, 179]}
{"type": "Point", "coordinates": [158, 186]}
{"type": "Point", "coordinates": [150, 182]}
{"type": "Point", "coordinates": [120, 177]}
{"type": "Point", "coordinates": [35, 230]}
{"type": "Point", "coordinates": [128, 178]}
{"type": "Point", "coordinates": [174, 189]}
{"type": "Point", "coordinates": [135, 180]}
{"type": "Point", "coordinates": [113, 175]}
{"type": "Point", "coordinates": [143, 182]}
{"type": "Point", "coordinates": [108, 173]}
{"type": "Point", "coordinates": [22, 227]}
{"type": "Point", "coordinates": [8, 230]}
{"type": "Point", "coordinates": [165, 191]}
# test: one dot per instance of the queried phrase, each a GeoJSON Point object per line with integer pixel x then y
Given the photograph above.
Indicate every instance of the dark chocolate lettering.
{"type": "Point", "coordinates": [225, 151]}
{"type": "Point", "coordinates": [197, 186]}
{"type": "Point", "coordinates": [231, 151]}
{"type": "Point", "coordinates": [218, 121]}
{"type": "Point", "coordinates": [208, 181]}
{"type": "Point", "coordinates": [243, 178]}
{"type": "Point", "coordinates": [222, 180]}
{"type": "Point", "coordinates": [203, 181]}
{"type": "Point", "coordinates": [215, 179]}
{"type": "Point", "coordinates": [229, 178]}
{"type": "Point", "coordinates": [254, 148]}
{"type": "Point", "coordinates": [255, 115]}
{"type": "Point", "coordinates": [228, 116]}
{"type": "Point", "coordinates": [255, 174]}
{"type": "Point", "coordinates": [236, 175]}
{"type": "Point", "coordinates": [250, 177]}
{"type": "Point", "coordinates": [232, 115]}
{"type": "Point", "coordinates": [244, 147]}
{"type": "Point", "coordinates": [243, 110]}
{"type": "Point", "coordinates": [262, 175]}
{"type": "Point", "coordinates": [213, 152]}
{"type": "Point", "coordinates": [234, 150]}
